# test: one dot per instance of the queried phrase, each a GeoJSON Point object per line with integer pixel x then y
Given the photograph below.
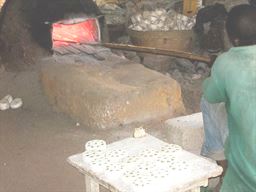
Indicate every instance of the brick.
{"type": "Point", "coordinates": [186, 131]}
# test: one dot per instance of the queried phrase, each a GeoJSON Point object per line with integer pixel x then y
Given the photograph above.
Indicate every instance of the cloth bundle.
{"type": "Point", "coordinates": [161, 20]}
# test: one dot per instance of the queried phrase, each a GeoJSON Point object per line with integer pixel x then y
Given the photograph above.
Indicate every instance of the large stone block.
{"type": "Point", "coordinates": [186, 131]}
{"type": "Point", "coordinates": [110, 93]}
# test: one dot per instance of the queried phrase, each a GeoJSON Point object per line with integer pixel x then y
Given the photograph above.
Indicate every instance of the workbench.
{"type": "Point", "coordinates": [143, 165]}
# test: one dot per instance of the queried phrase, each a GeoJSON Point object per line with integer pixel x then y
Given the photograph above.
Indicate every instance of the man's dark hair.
{"type": "Point", "coordinates": [241, 25]}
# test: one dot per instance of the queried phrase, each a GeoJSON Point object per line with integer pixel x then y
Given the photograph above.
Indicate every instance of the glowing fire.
{"type": "Point", "coordinates": [83, 32]}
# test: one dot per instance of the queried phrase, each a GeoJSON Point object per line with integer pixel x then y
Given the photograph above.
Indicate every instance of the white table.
{"type": "Point", "coordinates": [188, 178]}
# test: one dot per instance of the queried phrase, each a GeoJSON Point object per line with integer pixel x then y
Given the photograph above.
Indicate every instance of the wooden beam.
{"type": "Point", "coordinates": [173, 53]}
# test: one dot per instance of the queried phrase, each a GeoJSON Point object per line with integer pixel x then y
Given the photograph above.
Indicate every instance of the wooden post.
{"type": "Point", "coordinates": [190, 7]}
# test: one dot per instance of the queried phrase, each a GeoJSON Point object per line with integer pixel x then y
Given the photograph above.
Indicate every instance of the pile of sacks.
{"type": "Point", "coordinates": [113, 13]}
{"type": "Point", "coordinates": [161, 20]}
{"type": "Point", "coordinates": [104, 2]}
{"type": "Point", "coordinates": [111, 9]}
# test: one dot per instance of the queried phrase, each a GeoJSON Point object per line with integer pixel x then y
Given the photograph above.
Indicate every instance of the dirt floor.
{"type": "Point", "coordinates": [35, 141]}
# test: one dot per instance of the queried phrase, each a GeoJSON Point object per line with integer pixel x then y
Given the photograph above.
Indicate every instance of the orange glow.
{"type": "Point", "coordinates": [84, 32]}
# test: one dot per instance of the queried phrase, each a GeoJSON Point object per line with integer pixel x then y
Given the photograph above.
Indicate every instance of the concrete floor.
{"type": "Point", "coordinates": [35, 141]}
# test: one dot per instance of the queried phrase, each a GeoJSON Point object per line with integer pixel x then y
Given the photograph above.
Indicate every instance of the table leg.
{"type": "Point", "coordinates": [91, 185]}
{"type": "Point", "coordinates": [203, 184]}
{"type": "Point", "coordinates": [195, 190]}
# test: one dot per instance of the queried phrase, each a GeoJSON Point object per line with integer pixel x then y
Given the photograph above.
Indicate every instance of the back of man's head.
{"type": "Point", "coordinates": [241, 25]}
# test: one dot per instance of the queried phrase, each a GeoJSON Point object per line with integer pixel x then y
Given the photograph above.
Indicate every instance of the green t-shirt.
{"type": "Point", "coordinates": [233, 81]}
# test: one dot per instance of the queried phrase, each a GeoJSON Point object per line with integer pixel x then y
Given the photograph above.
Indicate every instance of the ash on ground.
{"type": "Point", "coordinates": [190, 75]}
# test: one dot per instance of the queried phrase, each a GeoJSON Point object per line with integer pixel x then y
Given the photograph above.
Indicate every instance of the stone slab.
{"type": "Point", "coordinates": [186, 131]}
{"type": "Point", "coordinates": [109, 93]}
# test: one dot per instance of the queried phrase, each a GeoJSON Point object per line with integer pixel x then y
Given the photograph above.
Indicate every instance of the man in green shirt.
{"type": "Point", "coordinates": [233, 81]}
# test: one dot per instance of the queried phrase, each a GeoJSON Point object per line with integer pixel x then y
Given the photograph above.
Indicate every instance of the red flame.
{"type": "Point", "coordinates": [83, 32]}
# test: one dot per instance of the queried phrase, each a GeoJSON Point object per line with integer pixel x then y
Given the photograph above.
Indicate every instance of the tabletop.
{"type": "Point", "coordinates": [145, 164]}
